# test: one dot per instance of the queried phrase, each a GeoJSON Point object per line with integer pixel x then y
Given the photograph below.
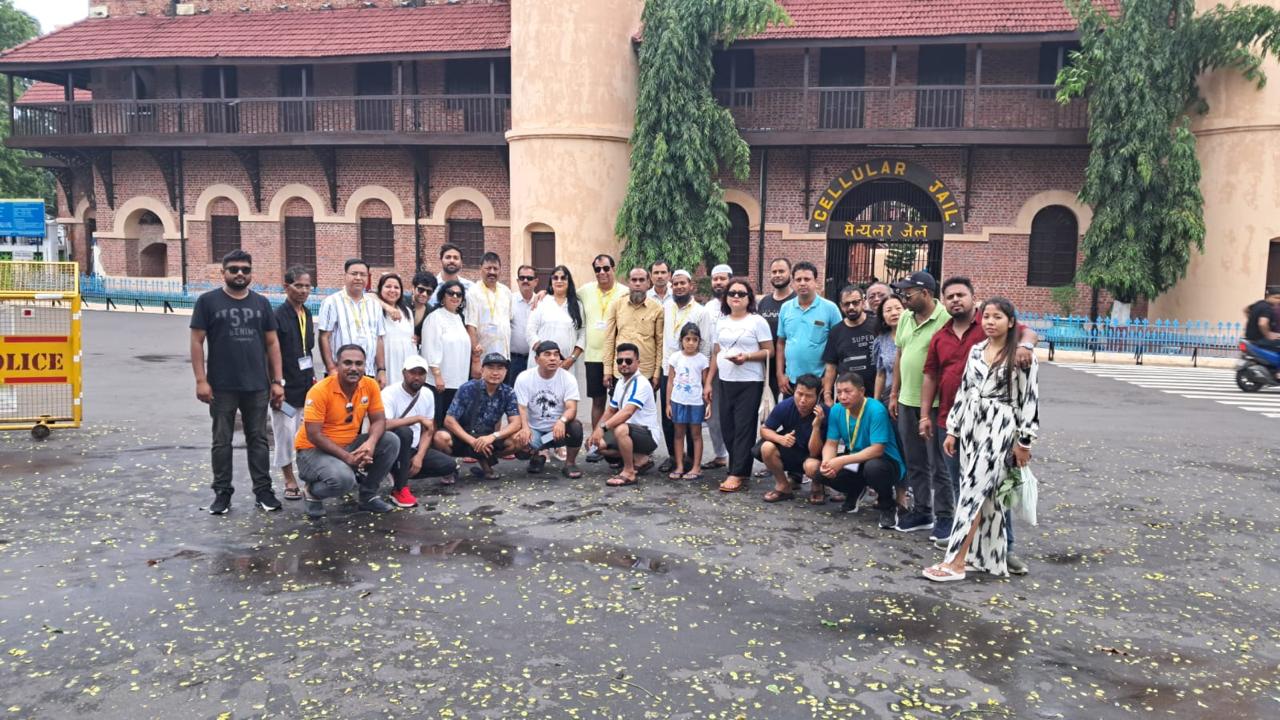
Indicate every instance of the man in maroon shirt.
{"type": "Point", "coordinates": [944, 368]}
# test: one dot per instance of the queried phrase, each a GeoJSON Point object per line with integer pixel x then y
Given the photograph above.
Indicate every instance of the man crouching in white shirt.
{"type": "Point", "coordinates": [410, 415]}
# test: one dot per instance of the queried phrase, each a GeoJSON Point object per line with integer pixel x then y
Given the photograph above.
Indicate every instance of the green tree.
{"type": "Point", "coordinates": [17, 180]}
{"type": "Point", "coordinates": [900, 260]}
{"type": "Point", "coordinates": [1139, 72]}
{"type": "Point", "coordinates": [675, 207]}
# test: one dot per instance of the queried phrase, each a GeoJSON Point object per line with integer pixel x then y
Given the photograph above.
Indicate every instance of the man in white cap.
{"type": "Point", "coordinates": [720, 276]}
{"type": "Point", "coordinates": [411, 416]}
{"type": "Point", "coordinates": [681, 309]}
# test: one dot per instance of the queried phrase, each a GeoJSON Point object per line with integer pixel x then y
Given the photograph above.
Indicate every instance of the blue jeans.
{"type": "Point", "coordinates": [953, 469]}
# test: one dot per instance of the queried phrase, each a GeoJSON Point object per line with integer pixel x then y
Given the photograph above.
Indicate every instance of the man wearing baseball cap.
{"type": "Point", "coordinates": [471, 424]}
{"type": "Point", "coordinates": [547, 397]}
{"type": "Point", "coordinates": [410, 416]}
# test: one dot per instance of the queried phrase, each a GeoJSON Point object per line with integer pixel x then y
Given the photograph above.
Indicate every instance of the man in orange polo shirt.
{"type": "Point", "coordinates": [332, 454]}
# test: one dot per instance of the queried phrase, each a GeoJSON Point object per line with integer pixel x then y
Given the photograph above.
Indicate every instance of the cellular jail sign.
{"type": "Point", "coordinates": [887, 169]}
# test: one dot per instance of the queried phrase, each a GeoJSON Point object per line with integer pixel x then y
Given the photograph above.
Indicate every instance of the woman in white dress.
{"type": "Point", "coordinates": [993, 423]}
{"type": "Point", "coordinates": [398, 320]}
{"type": "Point", "coordinates": [558, 318]}
{"type": "Point", "coordinates": [447, 347]}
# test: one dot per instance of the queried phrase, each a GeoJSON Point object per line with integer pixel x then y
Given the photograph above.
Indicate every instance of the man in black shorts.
{"type": "Point", "coordinates": [471, 425]}
{"type": "Point", "coordinates": [793, 433]}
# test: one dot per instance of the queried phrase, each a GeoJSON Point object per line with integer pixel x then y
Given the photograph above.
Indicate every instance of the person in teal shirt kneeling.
{"type": "Point", "coordinates": [861, 450]}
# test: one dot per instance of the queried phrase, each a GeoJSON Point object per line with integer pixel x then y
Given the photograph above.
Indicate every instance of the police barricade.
{"type": "Point", "coordinates": [40, 358]}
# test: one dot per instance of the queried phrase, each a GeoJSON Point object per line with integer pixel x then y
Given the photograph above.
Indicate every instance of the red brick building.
{"type": "Point", "coordinates": [920, 134]}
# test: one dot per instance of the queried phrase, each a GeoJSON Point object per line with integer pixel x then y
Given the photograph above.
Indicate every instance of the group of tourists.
{"type": "Point", "coordinates": [912, 397]}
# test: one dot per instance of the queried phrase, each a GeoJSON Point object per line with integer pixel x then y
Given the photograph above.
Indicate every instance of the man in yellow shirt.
{"type": "Point", "coordinates": [596, 297]}
{"type": "Point", "coordinates": [331, 450]}
{"type": "Point", "coordinates": [638, 321]}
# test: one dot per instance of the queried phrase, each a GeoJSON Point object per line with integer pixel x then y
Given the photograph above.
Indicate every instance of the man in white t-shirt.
{"type": "Point", "coordinates": [624, 432]}
{"type": "Point", "coordinates": [489, 313]}
{"type": "Point", "coordinates": [352, 316]}
{"type": "Point", "coordinates": [410, 413]}
{"type": "Point", "coordinates": [547, 398]}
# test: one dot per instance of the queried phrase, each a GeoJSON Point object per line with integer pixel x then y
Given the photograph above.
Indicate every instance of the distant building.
{"type": "Point", "coordinates": [309, 135]}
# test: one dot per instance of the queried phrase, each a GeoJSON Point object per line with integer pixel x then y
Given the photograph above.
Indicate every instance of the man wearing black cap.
{"type": "Point", "coordinates": [471, 425]}
{"type": "Point", "coordinates": [547, 398]}
{"type": "Point", "coordinates": [926, 471]}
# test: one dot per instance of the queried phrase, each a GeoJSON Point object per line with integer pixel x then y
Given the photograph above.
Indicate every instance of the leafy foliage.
{"type": "Point", "coordinates": [675, 208]}
{"type": "Point", "coordinates": [1140, 72]}
{"type": "Point", "coordinates": [17, 180]}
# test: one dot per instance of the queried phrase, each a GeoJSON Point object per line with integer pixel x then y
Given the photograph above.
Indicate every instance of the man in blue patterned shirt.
{"type": "Point", "coordinates": [471, 425]}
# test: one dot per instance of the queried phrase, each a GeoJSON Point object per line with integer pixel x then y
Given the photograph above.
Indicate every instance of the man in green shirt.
{"type": "Point", "coordinates": [926, 472]}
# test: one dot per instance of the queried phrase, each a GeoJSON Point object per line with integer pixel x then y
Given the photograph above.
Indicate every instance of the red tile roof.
{"type": "Point", "coordinates": [43, 92]}
{"type": "Point", "coordinates": [299, 34]}
{"type": "Point", "coordinates": [841, 19]}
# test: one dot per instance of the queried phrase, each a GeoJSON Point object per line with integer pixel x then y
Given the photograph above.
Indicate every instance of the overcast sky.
{"type": "Point", "coordinates": [54, 13]}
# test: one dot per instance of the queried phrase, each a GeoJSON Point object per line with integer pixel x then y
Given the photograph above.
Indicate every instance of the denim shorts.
{"type": "Point", "coordinates": [687, 414]}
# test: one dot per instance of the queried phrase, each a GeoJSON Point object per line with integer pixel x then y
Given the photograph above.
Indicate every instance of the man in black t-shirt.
{"type": "Point", "coordinates": [849, 344]}
{"type": "Point", "coordinates": [1262, 328]}
{"type": "Point", "coordinates": [770, 304]}
{"type": "Point", "coordinates": [241, 329]}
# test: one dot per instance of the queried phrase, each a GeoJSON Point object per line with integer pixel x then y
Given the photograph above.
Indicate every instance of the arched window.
{"type": "Point", "coordinates": [1051, 258]}
{"type": "Point", "coordinates": [739, 239]}
{"type": "Point", "coordinates": [224, 229]}
{"type": "Point", "coordinates": [299, 235]}
{"type": "Point", "coordinates": [377, 236]}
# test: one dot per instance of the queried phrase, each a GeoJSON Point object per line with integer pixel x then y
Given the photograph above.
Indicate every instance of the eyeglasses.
{"type": "Point", "coordinates": [738, 294]}
{"type": "Point", "coordinates": [602, 268]}
{"type": "Point", "coordinates": [625, 361]}
{"type": "Point", "coordinates": [527, 278]}
{"type": "Point", "coordinates": [351, 413]}
{"type": "Point", "coordinates": [300, 286]}
{"type": "Point", "coordinates": [851, 303]}
{"type": "Point", "coordinates": [453, 293]}
{"type": "Point", "coordinates": [357, 274]}
{"type": "Point", "coordinates": [238, 269]}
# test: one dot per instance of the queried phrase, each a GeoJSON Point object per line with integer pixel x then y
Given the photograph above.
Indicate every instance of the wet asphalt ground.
{"type": "Point", "coordinates": [1153, 585]}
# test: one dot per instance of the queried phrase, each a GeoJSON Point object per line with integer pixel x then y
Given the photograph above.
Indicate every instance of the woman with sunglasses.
{"type": "Point", "coordinates": [447, 347]}
{"type": "Point", "coordinates": [742, 347]}
{"type": "Point", "coordinates": [424, 288]}
{"type": "Point", "coordinates": [397, 318]}
{"type": "Point", "coordinates": [558, 318]}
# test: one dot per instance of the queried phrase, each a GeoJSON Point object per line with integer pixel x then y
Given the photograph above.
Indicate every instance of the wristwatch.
{"type": "Point", "coordinates": [1027, 345]}
{"type": "Point", "coordinates": [279, 381]}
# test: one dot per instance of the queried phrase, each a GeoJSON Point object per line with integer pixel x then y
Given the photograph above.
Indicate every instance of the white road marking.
{"type": "Point", "coordinates": [1210, 384]}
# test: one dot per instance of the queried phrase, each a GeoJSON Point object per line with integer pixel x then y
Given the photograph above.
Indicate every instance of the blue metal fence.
{"type": "Point", "coordinates": [167, 293]}
{"type": "Point", "coordinates": [1138, 337]}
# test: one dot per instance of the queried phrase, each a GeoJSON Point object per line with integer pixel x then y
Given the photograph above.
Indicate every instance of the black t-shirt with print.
{"type": "Point", "coordinates": [236, 331]}
{"type": "Point", "coordinates": [850, 349]}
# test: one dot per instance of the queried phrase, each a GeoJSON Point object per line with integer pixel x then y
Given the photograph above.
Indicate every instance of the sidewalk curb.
{"type": "Point", "coordinates": [1115, 358]}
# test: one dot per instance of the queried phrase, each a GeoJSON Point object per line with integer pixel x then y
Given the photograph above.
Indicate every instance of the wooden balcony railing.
{"type": "Point", "coordinates": [374, 115]}
{"type": "Point", "coordinates": [986, 107]}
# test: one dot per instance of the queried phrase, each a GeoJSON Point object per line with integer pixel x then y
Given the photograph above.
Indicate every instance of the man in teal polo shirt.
{"type": "Point", "coordinates": [926, 470]}
{"type": "Point", "coordinates": [803, 325]}
{"type": "Point", "coordinates": [861, 450]}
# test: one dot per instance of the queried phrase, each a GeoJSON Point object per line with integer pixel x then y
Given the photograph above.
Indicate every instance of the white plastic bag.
{"type": "Point", "coordinates": [1025, 497]}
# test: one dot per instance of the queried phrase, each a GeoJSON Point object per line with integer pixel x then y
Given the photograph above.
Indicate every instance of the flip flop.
{"type": "Point", "coordinates": [675, 475]}
{"type": "Point", "coordinates": [571, 471]}
{"type": "Point", "coordinates": [947, 574]}
{"type": "Point", "coordinates": [692, 476]}
{"type": "Point", "coordinates": [774, 496]}
{"type": "Point", "coordinates": [725, 487]}
{"type": "Point", "coordinates": [621, 481]}
{"type": "Point", "coordinates": [714, 465]}
{"type": "Point", "coordinates": [645, 468]}
{"type": "Point", "coordinates": [292, 493]}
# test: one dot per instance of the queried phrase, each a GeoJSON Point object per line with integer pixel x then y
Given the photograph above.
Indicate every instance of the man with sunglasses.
{"type": "Point", "coordinates": [296, 332]}
{"type": "Point", "coordinates": [521, 306]}
{"type": "Point", "coordinates": [243, 374]}
{"type": "Point", "coordinates": [625, 433]}
{"type": "Point", "coordinates": [849, 344]}
{"type": "Point", "coordinates": [333, 456]}
{"type": "Point", "coordinates": [595, 298]}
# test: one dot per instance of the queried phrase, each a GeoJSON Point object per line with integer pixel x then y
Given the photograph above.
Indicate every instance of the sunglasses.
{"type": "Point", "coordinates": [422, 289]}
{"type": "Point", "coordinates": [527, 278]}
{"type": "Point", "coordinates": [602, 268]}
{"type": "Point", "coordinates": [238, 269]}
{"type": "Point", "coordinates": [559, 278]}
{"type": "Point", "coordinates": [738, 294]}
{"type": "Point", "coordinates": [851, 303]}
{"type": "Point", "coordinates": [625, 361]}
{"type": "Point", "coordinates": [453, 293]}
{"type": "Point", "coordinates": [351, 413]}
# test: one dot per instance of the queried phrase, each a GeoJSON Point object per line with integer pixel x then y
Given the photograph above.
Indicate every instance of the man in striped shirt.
{"type": "Point", "coordinates": [353, 317]}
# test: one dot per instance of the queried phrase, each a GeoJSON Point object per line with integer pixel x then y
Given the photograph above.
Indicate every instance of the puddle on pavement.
{"type": "Point", "coordinates": [486, 511]}
{"type": "Point", "coordinates": [160, 358]}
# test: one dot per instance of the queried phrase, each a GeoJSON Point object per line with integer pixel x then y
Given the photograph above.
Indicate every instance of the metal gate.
{"type": "Point", "coordinates": [883, 230]}
{"type": "Point", "coordinates": [40, 357]}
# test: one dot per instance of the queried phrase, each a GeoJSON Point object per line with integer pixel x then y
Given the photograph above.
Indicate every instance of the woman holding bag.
{"type": "Point", "coordinates": [993, 423]}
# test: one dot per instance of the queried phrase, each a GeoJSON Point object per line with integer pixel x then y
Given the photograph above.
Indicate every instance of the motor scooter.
{"type": "Point", "coordinates": [1257, 368]}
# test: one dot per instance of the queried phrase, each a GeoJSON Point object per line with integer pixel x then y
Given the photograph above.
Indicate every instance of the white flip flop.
{"type": "Point", "coordinates": [948, 575]}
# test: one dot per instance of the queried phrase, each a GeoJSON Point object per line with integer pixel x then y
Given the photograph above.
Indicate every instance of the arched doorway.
{"type": "Point", "coordinates": [153, 261]}
{"type": "Point", "coordinates": [884, 220]}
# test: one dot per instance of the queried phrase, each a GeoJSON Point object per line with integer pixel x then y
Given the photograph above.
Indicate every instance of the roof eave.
{"type": "Point", "coordinates": [18, 68]}
{"type": "Point", "coordinates": [971, 38]}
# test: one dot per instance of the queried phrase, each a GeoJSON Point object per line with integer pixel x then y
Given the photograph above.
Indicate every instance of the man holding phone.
{"type": "Point", "coordinates": [547, 397]}
{"type": "Point", "coordinates": [296, 332]}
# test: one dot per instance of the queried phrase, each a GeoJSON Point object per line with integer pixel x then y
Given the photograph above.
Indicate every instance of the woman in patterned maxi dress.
{"type": "Point", "coordinates": [991, 421]}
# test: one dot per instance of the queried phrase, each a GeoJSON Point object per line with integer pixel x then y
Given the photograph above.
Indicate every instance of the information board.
{"type": "Point", "coordinates": [21, 218]}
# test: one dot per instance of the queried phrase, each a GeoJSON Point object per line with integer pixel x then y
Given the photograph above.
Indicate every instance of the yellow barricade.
{"type": "Point", "coordinates": [40, 357]}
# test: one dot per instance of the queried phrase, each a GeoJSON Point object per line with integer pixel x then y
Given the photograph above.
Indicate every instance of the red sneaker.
{"type": "Point", "coordinates": [403, 498]}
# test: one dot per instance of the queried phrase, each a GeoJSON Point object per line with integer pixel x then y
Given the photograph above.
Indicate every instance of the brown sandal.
{"type": "Point", "coordinates": [621, 480]}
{"type": "Point", "coordinates": [731, 485]}
{"type": "Point", "coordinates": [774, 496]}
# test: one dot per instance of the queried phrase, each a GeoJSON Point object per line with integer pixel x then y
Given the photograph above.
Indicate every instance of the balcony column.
{"type": "Point", "coordinates": [893, 73]}
{"type": "Point", "coordinates": [977, 84]}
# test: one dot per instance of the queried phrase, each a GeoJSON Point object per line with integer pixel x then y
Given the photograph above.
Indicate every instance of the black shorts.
{"type": "Point", "coordinates": [792, 457]}
{"type": "Point", "coordinates": [595, 380]}
{"type": "Point", "coordinates": [460, 448]}
{"type": "Point", "coordinates": [642, 442]}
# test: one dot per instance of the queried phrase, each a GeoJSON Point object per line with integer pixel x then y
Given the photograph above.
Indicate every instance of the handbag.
{"type": "Point", "coordinates": [1025, 497]}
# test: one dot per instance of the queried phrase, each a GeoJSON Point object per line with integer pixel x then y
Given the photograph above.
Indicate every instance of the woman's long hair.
{"type": "Point", "coordinates": [570, 293]}
{"type": "Point", "coordinates": [1010, 350]}
{"type": "Point", "coordinates": [451, 285]}
{"type": "Point", "coordinates": [406, 309]}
